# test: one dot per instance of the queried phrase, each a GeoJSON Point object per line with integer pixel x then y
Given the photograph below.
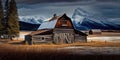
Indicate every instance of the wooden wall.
{"type": "Point", "coordinates": [59, 36]}
{"type": "Point", "coordinates": [42, 38]}
{"type": "Point", "coordinates": [63, 36]}
{"type": "Point", "coordinates": [28, 39]}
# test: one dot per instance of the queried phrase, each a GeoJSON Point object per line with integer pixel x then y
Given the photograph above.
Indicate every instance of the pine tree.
{"type": "Point", "coordinates": [5, 21]}
{"type": "Point", "coordinates": [1, 18]}
{"type": "Point", "coordinates": [12, 19]}
{"type": "Point", "coordinates": [6, 12]}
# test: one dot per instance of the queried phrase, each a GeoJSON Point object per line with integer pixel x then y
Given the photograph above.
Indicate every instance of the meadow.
{"type": "Point", "coordinates": [92, 50]}
{"type": "Point", "coordinates": [15, 50]}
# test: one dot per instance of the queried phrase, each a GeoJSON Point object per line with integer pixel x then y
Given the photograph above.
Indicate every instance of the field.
{"type": "Point", "coordinates": [93, 50]}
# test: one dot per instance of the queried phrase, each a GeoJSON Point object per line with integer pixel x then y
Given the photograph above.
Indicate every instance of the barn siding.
{"type": "Point", "coordinates": [63, 36]}
{"type": "Point", "coordinates": [42, 38]}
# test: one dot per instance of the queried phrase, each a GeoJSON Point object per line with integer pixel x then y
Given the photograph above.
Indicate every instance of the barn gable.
{"type": "Point", "coordinates": [64, 22]}
{"type": "Point", "coordinates": [57, 22]}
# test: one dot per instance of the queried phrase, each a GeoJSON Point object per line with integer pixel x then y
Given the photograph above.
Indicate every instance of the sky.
{"type": "Point", "coordinates": [46, 8]}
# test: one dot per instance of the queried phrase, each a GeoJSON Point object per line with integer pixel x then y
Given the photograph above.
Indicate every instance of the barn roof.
{"type": "Point", "coordinates": [80, 33]}
{"type": "Point", "coordinates": [48, 25]}
{"type": "Point", "coordinates": [38, 31]}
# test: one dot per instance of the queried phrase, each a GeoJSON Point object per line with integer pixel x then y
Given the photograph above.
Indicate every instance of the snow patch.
{"type": "Point", "coordinates": [32, 20]}
{"type": "Point", "coordinates": [105, 38]}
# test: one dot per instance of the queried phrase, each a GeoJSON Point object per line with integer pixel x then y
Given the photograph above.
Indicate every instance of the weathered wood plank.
{"type": "Point", "coordinates": [63, 30]}
{"type": "Point", "coordinates": [63, 38]}
{"type": "Point", "coordinates": [42, 36]}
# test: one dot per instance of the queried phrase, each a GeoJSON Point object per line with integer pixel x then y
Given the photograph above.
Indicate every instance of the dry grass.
{"type": "Point", "coordinates": [17, 46]}
{"type": "Point", "coordinates": [14, 50]}
{"type": "Point", "coordinates": [90, 43]}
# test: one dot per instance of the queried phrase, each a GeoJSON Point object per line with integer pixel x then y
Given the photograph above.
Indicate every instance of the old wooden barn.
{"type": "Point", "coordinates": [95, 32]}
{"type": "Point", "coordinates": [57, 30]}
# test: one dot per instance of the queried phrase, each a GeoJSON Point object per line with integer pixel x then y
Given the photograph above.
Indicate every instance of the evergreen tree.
{"type": "Point", "coordinates": [6, 11]}
{"type": "Point", "coordinates": [12, 19]}
{"type": "Point", "coordinates": [5, 21]}
{"type": "Point", "coordinates": [1, 18]}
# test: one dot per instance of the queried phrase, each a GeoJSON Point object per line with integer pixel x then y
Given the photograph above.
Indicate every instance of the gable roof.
{"type": "Point", "coordinates": [52, 22]}
{"type": "Point", "coordinates": [50, 25]}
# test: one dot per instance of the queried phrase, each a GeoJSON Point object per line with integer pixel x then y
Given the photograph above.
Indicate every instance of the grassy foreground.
{"type": "Point", "coordinates": [14, 50]}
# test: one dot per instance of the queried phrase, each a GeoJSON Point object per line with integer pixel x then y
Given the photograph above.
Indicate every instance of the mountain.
{"type": "Point", "coordinates": [28, 26]}
{"type": "Point", "coordinates": [91, 24]}
{"type": "Point", "coordinates": [93, 19]}
{"type": "Point", "coordinates": [29, 23]}
{"type": "Point", "coordinates": [31, 20]}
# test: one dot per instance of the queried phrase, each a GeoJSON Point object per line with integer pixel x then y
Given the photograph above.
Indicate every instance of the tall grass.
{"type": "Point", "coordinates": [49, 52]}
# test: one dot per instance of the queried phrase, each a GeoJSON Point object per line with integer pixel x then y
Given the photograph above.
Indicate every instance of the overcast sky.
{"type": "Point", "coordinates": [46, 8]}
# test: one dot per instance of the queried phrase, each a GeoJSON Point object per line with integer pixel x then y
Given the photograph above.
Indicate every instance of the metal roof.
{"type": "Point", "coordinates": [48, 25]}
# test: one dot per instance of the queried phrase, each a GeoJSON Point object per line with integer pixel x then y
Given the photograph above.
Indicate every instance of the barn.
{"type": "Point", "coordinates": [58, 30]}
{"type": "Point", "coordinates": [95, 32]}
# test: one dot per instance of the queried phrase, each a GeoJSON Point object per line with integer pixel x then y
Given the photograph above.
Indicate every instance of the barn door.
{"type": "Point", "coordinates": [60, 38]}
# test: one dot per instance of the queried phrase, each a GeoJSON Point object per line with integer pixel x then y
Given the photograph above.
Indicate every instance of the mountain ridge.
{"type": "Point", "coordinates": [92, 20]}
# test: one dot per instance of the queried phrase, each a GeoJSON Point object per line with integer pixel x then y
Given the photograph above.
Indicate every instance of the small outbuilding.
{"type": "Point", "coordinates": [95, 31]}
{"type": "Point", "coordinates": [58, 30]}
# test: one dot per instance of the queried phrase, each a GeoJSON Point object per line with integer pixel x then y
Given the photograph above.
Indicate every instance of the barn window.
{"type": "Point", "coordinates": [42, 38]}
{"type": "Point", "coordinates": [64, 23]}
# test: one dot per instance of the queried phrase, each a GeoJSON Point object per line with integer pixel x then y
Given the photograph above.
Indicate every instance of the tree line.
{"type": "Point", "coordinates": [9, 24]}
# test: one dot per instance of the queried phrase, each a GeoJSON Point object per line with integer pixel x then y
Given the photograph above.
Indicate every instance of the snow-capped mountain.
{"type": "Point", "coordinates": [31, 20]}
{"type": "Point", "coordinates": [93, 19]}
{"type": "Point", "coordinates": [30, 23]}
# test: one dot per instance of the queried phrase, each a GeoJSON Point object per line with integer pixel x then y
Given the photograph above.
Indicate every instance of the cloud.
{"type": "Point", "coordinates": [47, 1]}
{"type": "Point", "coordinates": [108, 0]}
{"type": "Point", "coordinates": [47, 9]}
{"type": "Point", "coordinates": [59, 1]}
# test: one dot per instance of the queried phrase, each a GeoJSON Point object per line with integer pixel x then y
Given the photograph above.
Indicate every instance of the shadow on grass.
{"type": "Point", "coordinates": [2, 41]}
{"type": "Point", "coordinates": [54, 56]}
{"type": "Point", "coordinates": [18, 43]}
